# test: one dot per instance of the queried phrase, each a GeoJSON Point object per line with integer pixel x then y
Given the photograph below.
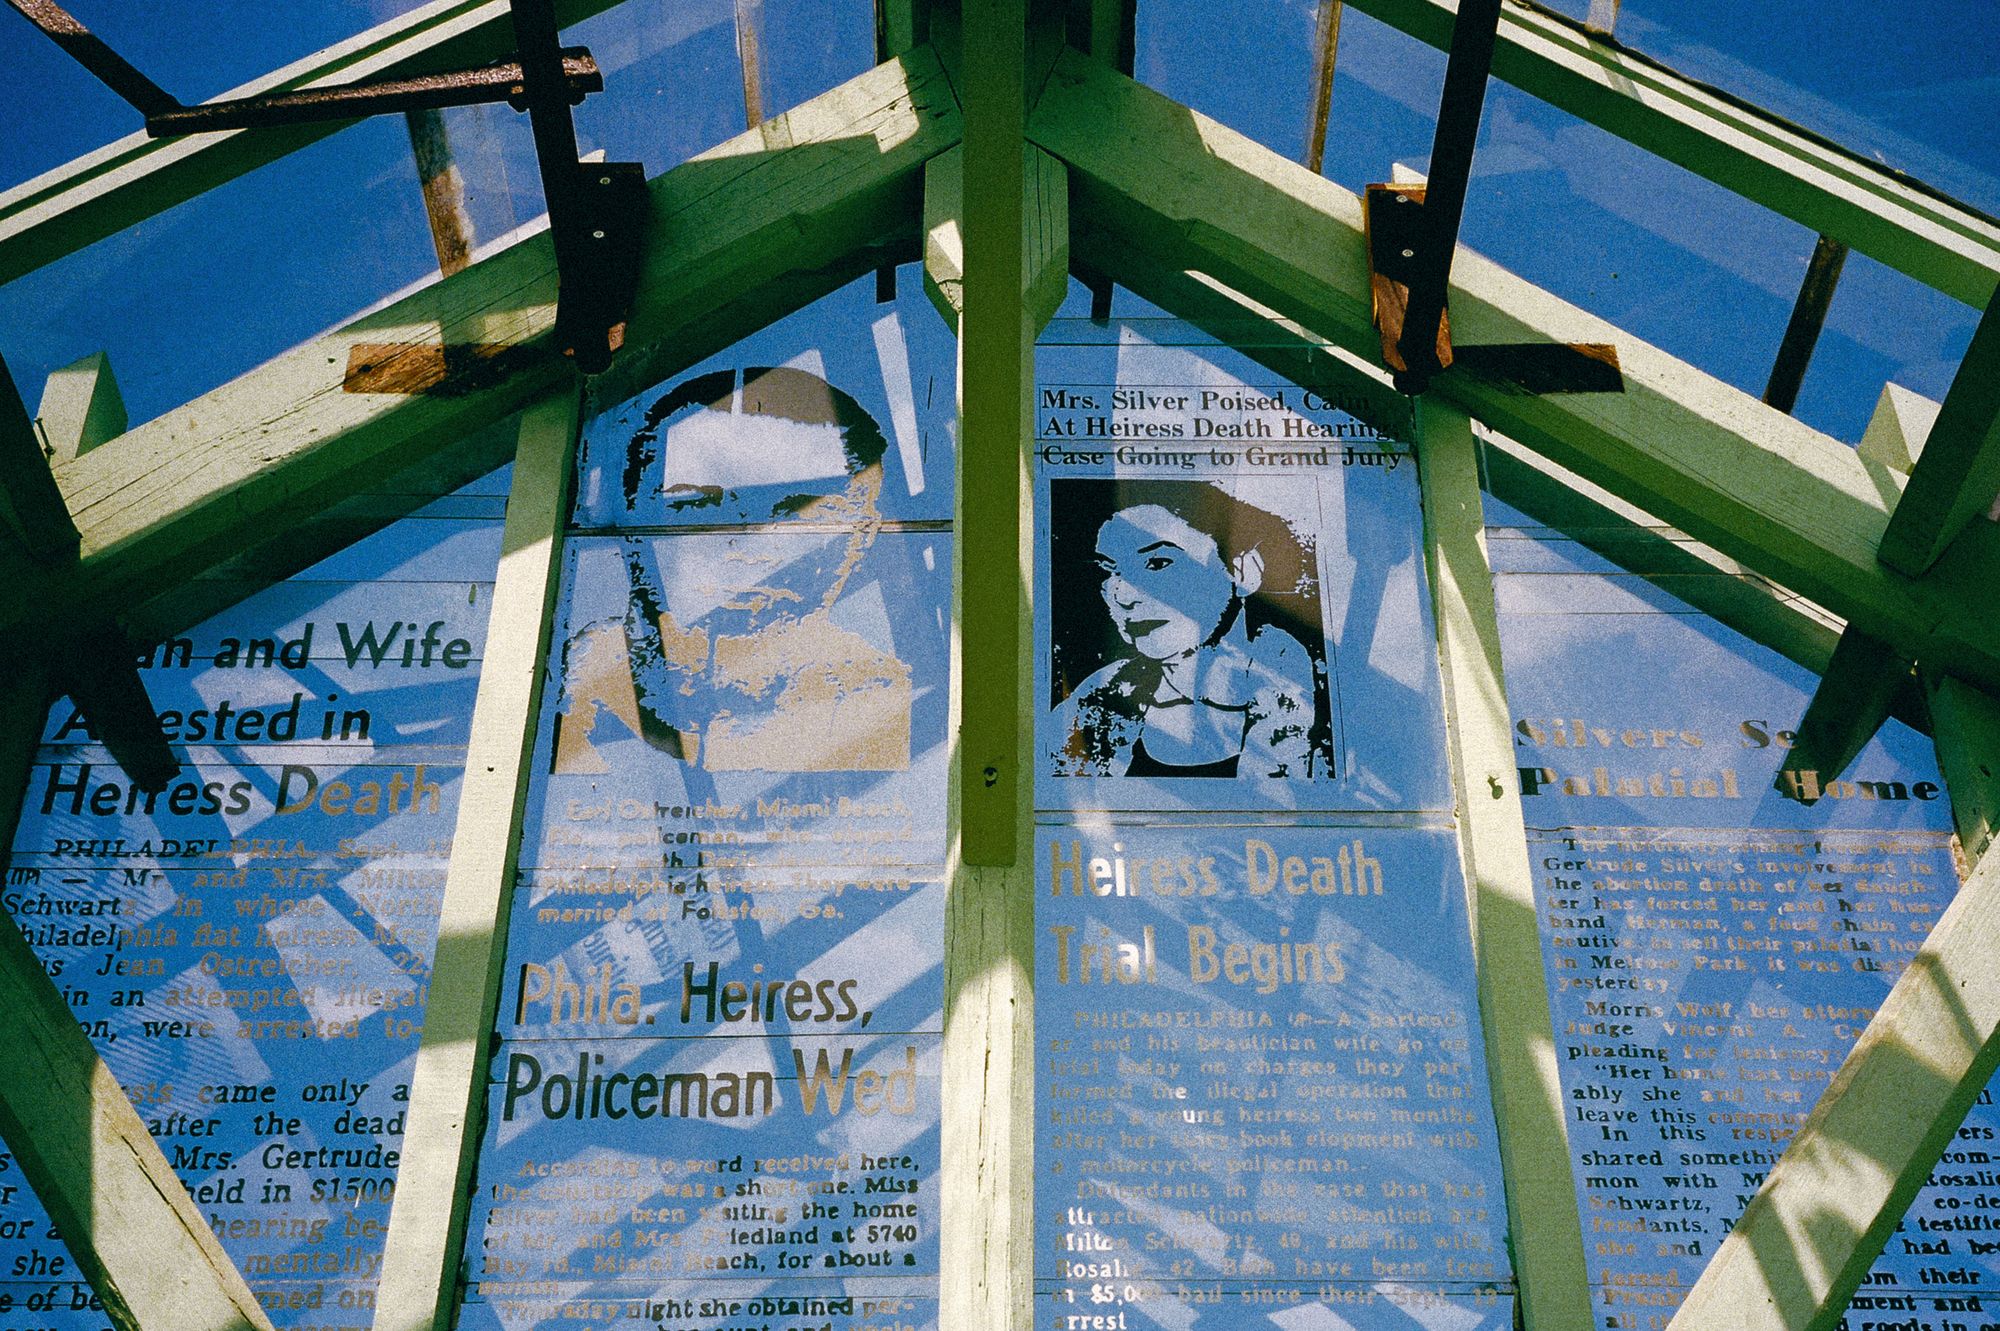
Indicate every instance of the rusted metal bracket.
{"type": "Point", "coordinates": [597, 210]}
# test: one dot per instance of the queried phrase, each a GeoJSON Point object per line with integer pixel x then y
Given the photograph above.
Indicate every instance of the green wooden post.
{"type": "Point", "coordinates": [1528, 1112]}
{"type": "Point", "coordinates": [420, 1267]}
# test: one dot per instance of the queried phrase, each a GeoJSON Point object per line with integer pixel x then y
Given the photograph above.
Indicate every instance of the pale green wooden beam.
{"type": "Point", "coordinates": [986, 1236]}
{"type": "Point", "coordinates": [745, 233]}
{"type": "Point", "coordinates": [1896, 432]}
{"type": "Point", "coordinates": [1965, 726]}
{"type": "Point", "coordinates": [1529, 1119]}
{"type": "Point", "coordinates": [1796, 506]}
{"type": "Point", "coordinates": [1834, 192]}
{"type": "Point", "coordinates": [1807, 1239]}
{"type": "Point", "coordinates": [1044, 238]}
{"type": "Point", "coordinates": [127, 1221]}
{"type": "Point", "coordinates": [122, 183]}
{"type": "Point", "coordinates": [1855, 695]}
{"type": "Point", "coordinates": [426, 1238]}
{"type": "Point", "coordinates": [1954, 481]}
{"type": "Point", "coordinates": [80, 408]}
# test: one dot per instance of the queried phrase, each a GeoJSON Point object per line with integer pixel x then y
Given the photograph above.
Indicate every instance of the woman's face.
{"type": "Point", "coordinates": [1164, 581]}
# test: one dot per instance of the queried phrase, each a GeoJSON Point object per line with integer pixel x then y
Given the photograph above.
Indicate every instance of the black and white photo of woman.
{"type": "Point", "coordinates": [1186, 638]}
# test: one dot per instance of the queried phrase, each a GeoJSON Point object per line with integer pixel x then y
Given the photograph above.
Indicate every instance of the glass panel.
{"type": "Point", "coordinates": [730, 910]}
{"type": "Point", "coordinates": [1717, 933]}
{"type": "Point", "coordinates": [1260, 1082]}
{"type": "Point", "coordinates": [250, 949]}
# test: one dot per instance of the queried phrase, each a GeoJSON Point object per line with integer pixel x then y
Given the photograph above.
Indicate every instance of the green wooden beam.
{"type": "Point", "coordinates": [423, 1250]}
{"type": "Point", "coordinates": [1965, 726]}
{"type": "Point", "coordinates": [1806, 1241]}
{"type": "Point", "coordinates": [122, 183]}
{"type": "Point", "coordinates": [1856, 694]}
{"type": "Point", "coordinates": [1796, 506]}
{"type": "Point", "coordinates": [1955, 479]}
{"type": "Point", "coordinates": [124, 1215]}
{"type": "Point", "coordinates": [745, 233]}
{"type": "Point", "coordinates": [1829, 189]}
{"type": "Point", "coordinates": [1044, 238]}
{"type": "Point", "coordinates": [1543, 1229]}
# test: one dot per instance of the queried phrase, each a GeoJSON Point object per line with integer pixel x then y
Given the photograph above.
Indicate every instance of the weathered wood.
{"type": "Point", "coordinates": [130, 1225]}
{"type": "Point", "coordinates": [1807, 1239]}
{"type": "Point", "coordinates": [100, 193]}
{"type": "Point", "coordinates": [745, 233]}
{"type": "Point", "coordinates": [1044, 239]}
{"type": "Point", "coordinates": [1796, 506]}
{"type": "Point", "coordinates": [452, 233]}
{"type": "Point", "coordinates": [1965, 726]}
{"type": "Point", "coordinates": [1855, 696]}
{"type": "Point", "coordinates": [1831, 190]}
{"type": "Point", "coordinates": [1898, 428]}
{"type": "Point", "coordinates": [80, 408]}
{"type": "Point", "coordinates": [1326, 54]}
{"type": "Point", "coordinates": [1529, 1119]}
{"type": "Point", "coordinates": [1955, 481]}
{"type": "Point", "coordinates": [750, 55]}
{"type": "Point", "coordinates": [448, 1082]}
{"type": "Point", "coordinates": [986, 1238]}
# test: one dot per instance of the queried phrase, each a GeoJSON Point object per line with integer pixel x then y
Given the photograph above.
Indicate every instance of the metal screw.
{"type": "Point", "coordinates": [597, 235]}
{"type": "Point", "coordinates": [604, 180]}
{"type": "Point", "coordinates": [1407, 254]}
{"type": "Point", "coordinates": [1402, 198]}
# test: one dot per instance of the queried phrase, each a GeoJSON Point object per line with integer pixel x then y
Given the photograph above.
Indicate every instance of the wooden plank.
{"type": "Point", "coordinates": [1965, 726]}
{"type": "Point", "coordinates": [127, 1220]}
{"type": "Point", "coordinates": [420, 1268]}
{"type": "Point", "coordinates": [750, 55]}
{"type": "Point", "coordinates": [122, 183]}
{"type": "Point", "coordinates": [1326, 53]}
{"type": "Point", "coordinates": [1044, 239]}
{"type": "Point", "coordinates": [745, 233]}
{"type": "Point", "coordinates": [1865, 205]}
{"type": "Point", "coordinates": [1798, 507]}
{"type": "Point", "coordinates": [1854, 697]}
{"type": "Point", "coordinates": [452, 233]}
{"type": "Point", "coordinates": [1955, 481]}
{"type": "Point", "coordinates": [1898, 428]}
{"type": "Point", "coordinates": [80, 408]}
{"type": "Point", "coordinates": [1807, 1239]}
{"type": "Point", "coordinates": [986, 1236]}
{"type": "Point", "coordinates": [1528, 1114]}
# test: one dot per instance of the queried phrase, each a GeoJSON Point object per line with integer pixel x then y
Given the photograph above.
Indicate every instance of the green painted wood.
{"type": "Point", "coordinates": [80, 408]}
{"type": "Point", "coordinates": [1897, 429]}
{"type": "Point", "coordinates": [1044, 236]}
{"type": "Point", "coordinates": [1957, 476]}
{"type": "Point", "coordinates": [1965, 726]}
{"type": "Point", "coordinates": [1796, 506]}
{"type": "Point", "coordinates": [1834, 192]}
{"type": "Point", "coordinates": [125, 182]}
{"type": "Point", "coordinates": [996, 384]}
{"type": "Point", "coordinates": [32, 503]}
{"type": "Point", "coordinates": [129, 1224]}
{"type": "Point", "coordinates": [1854, 697]}
{"type": "Point", "coordinates": [745, 233]}
{"type": "Point", "coordinates": [1807, 1239]}
{"type": "Point", "coordinates": [419, 1286]}
{"type": "Point", "coordinates": [1542, 1225]}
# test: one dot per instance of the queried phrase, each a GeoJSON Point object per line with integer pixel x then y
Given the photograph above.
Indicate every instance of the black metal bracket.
{"type": "Point", "coordinates": [597, 210]}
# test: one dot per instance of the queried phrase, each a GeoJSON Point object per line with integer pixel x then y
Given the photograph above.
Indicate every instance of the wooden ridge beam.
{"type": "Point", "coordinates": [1779, 497]}
{"type": "Point", "coordinates": [1806, 1241]}
{"type": "Point", "coordinates": [1869, 207]}
{"type": "Point", "coordinates": [1958, 471]}
{"type": "Point", "coordinates": [127, 1220]}
{"type": "Point", "coordinates": [136, 177]}
{"type": "Point", "coordinates": [747, 232]}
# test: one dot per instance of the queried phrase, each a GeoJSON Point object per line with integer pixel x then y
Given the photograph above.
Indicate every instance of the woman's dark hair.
{"type": "Point", "coordinates": [1082, 638]}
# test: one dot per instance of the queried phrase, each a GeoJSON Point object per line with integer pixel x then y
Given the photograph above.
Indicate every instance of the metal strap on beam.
{"type": "Point", "coordinates": [1955, 480]}
{"type": "Point", "coordinates": [1807, 1239]}
{"type": "Point", "coordinates": [122, 183]}
{"type": "Point", "coordinates": [1865, 205]}
{"type": "Point", "coordinates": [1796, 506]}
{"type": "Point", "coordinates": [422, 1252]}
{"type": "Point", "coordinates": [1529, 1119]}
{"type": "Point", "coordinates": [124, 1215]}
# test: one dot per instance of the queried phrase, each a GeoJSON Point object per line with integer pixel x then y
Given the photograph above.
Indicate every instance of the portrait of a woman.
{"type": "Point", "coordinates": [1186, 638]}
